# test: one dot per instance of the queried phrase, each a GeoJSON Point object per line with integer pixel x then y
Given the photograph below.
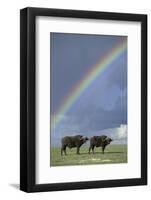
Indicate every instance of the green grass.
{"type": "Point", "coordinates": [113, 154]}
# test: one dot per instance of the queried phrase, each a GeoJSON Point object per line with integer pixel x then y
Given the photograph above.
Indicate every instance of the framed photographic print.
{"type": "Point", "coordinates": [83, 99]}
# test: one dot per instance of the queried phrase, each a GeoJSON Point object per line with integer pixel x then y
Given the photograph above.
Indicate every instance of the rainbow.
{"type": "Point", "coordinates": [87, 80]}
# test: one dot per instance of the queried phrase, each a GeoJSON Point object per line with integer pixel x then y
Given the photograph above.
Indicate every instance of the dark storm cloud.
{"type": "Point", "coordinates": [72, 55]}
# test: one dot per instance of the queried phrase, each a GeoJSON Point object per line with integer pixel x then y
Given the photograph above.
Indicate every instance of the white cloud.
{"type": "Point", "coordinates": [120, 132]}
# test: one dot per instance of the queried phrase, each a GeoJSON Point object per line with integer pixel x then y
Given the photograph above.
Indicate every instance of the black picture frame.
{"type": "Point", "coordinates": [28, 99]}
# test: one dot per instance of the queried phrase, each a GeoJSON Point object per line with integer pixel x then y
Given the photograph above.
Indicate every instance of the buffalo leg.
{"type": "Point", "coordinates": [93, 149]}
{"type": "Point", "coordinates": [63, 149]}
{"type": "Point", "coordinates": [103, 148]}
{"type": "Point", "coordinates": [78, 148]}
{"type": "Point", "coordinates": [90, 149]}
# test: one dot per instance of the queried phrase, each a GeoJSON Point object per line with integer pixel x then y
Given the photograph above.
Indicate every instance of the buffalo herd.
{"type": "Point", "coordinates": [78, 140]}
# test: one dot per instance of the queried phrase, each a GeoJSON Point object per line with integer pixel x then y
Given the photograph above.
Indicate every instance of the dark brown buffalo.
{"type": "Point", "coordinates": [71, 142]}
{"type": "Point", "coordinates": [99, 141]}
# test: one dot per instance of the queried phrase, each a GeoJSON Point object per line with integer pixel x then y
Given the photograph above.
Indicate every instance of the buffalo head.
{"type": "Point", "coordinates": [107, 140]}
{"type": "Point", "coordinates": [84, 139]}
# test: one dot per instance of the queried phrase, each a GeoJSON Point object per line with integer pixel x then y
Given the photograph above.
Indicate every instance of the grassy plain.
{"type": "Point", "coordinates": [113, 154]}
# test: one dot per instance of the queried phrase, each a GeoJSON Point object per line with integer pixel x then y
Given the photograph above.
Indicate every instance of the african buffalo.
{"type": "Point", "coordinates": [71, 142]}
{"type": "Point", "coordinates": [99, 141]}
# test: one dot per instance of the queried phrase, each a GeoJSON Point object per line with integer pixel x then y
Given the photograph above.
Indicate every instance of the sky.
{"type": "Point", "coordinates": [102, 107]}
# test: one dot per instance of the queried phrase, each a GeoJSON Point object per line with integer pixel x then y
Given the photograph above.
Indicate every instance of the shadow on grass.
{"type": "Point", "coordinates": [111, 152]}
